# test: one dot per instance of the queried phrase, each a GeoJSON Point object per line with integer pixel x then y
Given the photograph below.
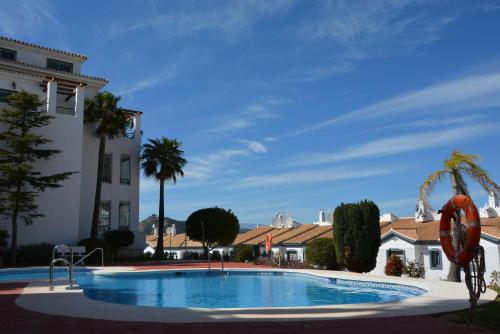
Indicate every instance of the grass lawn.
{"type": "Point", "coordinates": [487, 316]}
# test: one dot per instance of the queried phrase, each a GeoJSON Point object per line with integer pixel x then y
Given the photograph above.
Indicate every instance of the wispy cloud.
{"type": "Point", "coordinates": [163, 76]}
{"type": "Point", "coordinates": [266, 108]}
{"type": "Point", "coordinates": [255, 146]}
{"type": "Point", "coordinates": [376, 26]}
{"type": "Point", "coordinates": [206, 167]}
{"type": "Point", "coordinates": [468, 93]}
{"type": "Point", "coordinates": [312, 176]}
{"type": "Point", "coordinates": [400, 144]}
{"type": "Point", "coordinates": [26, 17]}
{"type": "Point", "coordinates": [230, 19]}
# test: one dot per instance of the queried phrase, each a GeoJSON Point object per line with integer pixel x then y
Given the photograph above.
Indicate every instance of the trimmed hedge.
{"type": "Point", "coordinates": [90, 245]}
{"type": "Point", "coordinates": [320, 253]}
{"type": "Point", "coordinates": [32, 255]}
{"type": "Point", "coordinates": [357, 235]}
{"type": "Point", "coordinates": [117, 239]}
{"type": "Point", "coordinates": [243, 253]}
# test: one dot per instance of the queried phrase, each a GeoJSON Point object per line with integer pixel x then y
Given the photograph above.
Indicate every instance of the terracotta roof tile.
{"type": "Point", "coordinates": [243, 237]}
{"type": "Point", "coordinates": [328, 235]}
{"type": "Point", "coordinates": [275, 232]}
{"type": "Point", "coordinates": [309, 235]}
{"type": "Point", "coordinates": [177, 241]}
{"type": "Point", "coordinates": [293, 233]}
{"type": "Point", "coordinates": [42, 47]}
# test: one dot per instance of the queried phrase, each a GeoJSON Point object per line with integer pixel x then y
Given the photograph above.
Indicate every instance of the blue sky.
{"type": "Point", "coordinates": [292, 106]}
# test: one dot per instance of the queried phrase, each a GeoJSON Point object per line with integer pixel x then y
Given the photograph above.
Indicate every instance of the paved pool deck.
{"type": "Point", "coordinates": [32, 308]}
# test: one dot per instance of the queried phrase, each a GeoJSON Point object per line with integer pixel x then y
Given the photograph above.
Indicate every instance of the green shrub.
{"type": "Point", "coordinates": [215, 255]}
{"type": "Point", "coordinates": [117, 239]}
{"type": "Point", "coordinates": [4, 237]}
{"type": "Point", "coordinates": [35, 254]}
{"type": "Point", "coordinates": [394, 266]}
{"type": "Point", "coordinates": [357, 235]}
{"type": "Point", "coordinates": [414, 270]}
{"type": "Point", "coordinates": [90, 245]}
{"type": "Point", "coordinates": [191, 255]}
{"type": "Point", "coordinates": [495, 281]}
{"type": "Point", "coordinates": [320, 253]}
{"type": "Point", "coordinates": [243, 253]}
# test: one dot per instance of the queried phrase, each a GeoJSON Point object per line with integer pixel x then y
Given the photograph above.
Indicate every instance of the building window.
{"type": "Point", "coordinates": [124, 219]}
{"type": "Point", "coordinates": [105, 216]}
{"type": "Point", "coordinates": [8, 54]}
{"type": "Point", "coordinates": [4, 93]}
{"type": "Point", "coordinates": [125, 169]}
{"type": "Point", "coordinates": [435, 259]}
{"type": "Point", "coordinates": [59, 65]}
{"type": "Point", "coordinates": [396, 252]}
{"type": "Point", "coordinates": [107, 167]}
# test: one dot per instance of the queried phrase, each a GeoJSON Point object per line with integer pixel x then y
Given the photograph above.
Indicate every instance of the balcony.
{"type": "Point", "coordinates": [65, 110]}
{"type": "Point", "coordinates": [65, 105]}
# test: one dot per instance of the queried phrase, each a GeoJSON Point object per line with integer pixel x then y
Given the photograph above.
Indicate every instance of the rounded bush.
{"type": "Point", "coordinates": [414, 270]}
{"type": "Point", "coordinates": [320, 253]}
{"type": "Point", "coordinates": [394, 266]}
{"type": "Point", "coordinates": [243, 253]}
{"type": "Point", "coordinates": [119, 238]}
{"type": "Point", "coordinates": [90, 245]}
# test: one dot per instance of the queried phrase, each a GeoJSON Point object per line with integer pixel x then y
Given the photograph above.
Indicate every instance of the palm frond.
{"type": "Point", "coordinates": [481, 176]}
{"type": "Point", "coordinates": [428, 186]}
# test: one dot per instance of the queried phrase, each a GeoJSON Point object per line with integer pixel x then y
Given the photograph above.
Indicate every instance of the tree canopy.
{"type": "Point", "coordinates": [357, 235]}
{"type": "Point", "coordinates": [213, 227]}
{"type": "Point", "coordinates": [456, 167]}
{"type": "Point", "coordinates": [21, 148]}
{"type": "Point", "coordinates": [162, 159]}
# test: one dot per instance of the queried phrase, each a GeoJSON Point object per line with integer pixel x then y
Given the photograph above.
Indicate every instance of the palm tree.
{"type": "Point", "coordinates": [110, 122]}
{"type": "Point", "coordinates": [458, 165]}
{"type": "Point", "coordinates": [162, 160]}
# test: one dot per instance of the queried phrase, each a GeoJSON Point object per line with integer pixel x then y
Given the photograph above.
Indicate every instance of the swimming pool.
{"type": "Point", "coordinates": [39, 273]}
{"type": "Point", "coordinates": [236, 289]}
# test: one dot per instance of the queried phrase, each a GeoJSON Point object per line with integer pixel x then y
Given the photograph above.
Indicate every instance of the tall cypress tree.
{"type": "Point", "coordinates": [20, 148]}
{"type": "Point", "coordinates": [356, 232]}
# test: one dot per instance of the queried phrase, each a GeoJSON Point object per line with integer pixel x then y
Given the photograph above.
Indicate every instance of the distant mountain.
{"type": "Point", "coordinates": [180, 226]}
{"type": "Point", "coordinates": [147, 224]}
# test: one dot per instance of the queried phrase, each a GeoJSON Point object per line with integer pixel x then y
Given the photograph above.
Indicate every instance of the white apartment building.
{"type": "Point", "coordinates": [56, 76]}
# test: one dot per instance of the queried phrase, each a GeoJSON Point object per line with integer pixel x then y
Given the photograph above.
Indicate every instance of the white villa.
{"type": "Point", "coordinates": [417, 239]}
{"type": "Point", "coordinates": [56, 76]}
{"type": "Point", "coordinates": [412, 238]}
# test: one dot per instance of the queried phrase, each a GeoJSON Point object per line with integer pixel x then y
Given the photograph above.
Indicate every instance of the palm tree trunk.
{"type": "Point", "coordinates": [161, 222]}
{"type": "Point", "coordinates": [97, 197]}
{"type": "Point", "coordinates": [454, 272]}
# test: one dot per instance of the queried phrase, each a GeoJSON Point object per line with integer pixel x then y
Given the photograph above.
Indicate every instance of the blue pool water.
{"type": "Point", "coordinates": [236, 289]}
{"type": "Point", "coordinates": [38, 273]}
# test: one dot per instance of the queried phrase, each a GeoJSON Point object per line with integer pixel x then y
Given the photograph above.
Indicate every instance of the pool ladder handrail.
{"type": "Point", "coordinates": [51, 272]}
{"type": "Point", "coordinates": [87, 255]}
{"type": "Point", "coordinates": [69, 263]}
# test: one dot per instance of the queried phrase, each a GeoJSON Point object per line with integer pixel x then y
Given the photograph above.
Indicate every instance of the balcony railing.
{"type": "Point", "coordinates": [66, 110]}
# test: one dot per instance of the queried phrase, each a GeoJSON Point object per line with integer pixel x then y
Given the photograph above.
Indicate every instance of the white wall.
{"type": "Point", "coordinates": [421, 254]}
{"type": "Point", "coordinates": [68, 210]}
{"type": "Point", "coordinates": [114, 192]}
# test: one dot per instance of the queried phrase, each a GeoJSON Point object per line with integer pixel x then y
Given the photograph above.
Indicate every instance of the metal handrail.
{"type": "Point", "coordinates": [61, 245]}
{"type": "Point", "coordinates": [86, 256]}
{"type": "Point", "coordinates": [222, 261]}
{"type": "Point", "coordinates": [51, 272]}
{"type": "Point", "coordinates": [69, 263]}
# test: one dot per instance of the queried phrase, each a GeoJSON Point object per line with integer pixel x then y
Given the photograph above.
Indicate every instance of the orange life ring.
{"type": "Point", "coordinates": [464, 256]}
